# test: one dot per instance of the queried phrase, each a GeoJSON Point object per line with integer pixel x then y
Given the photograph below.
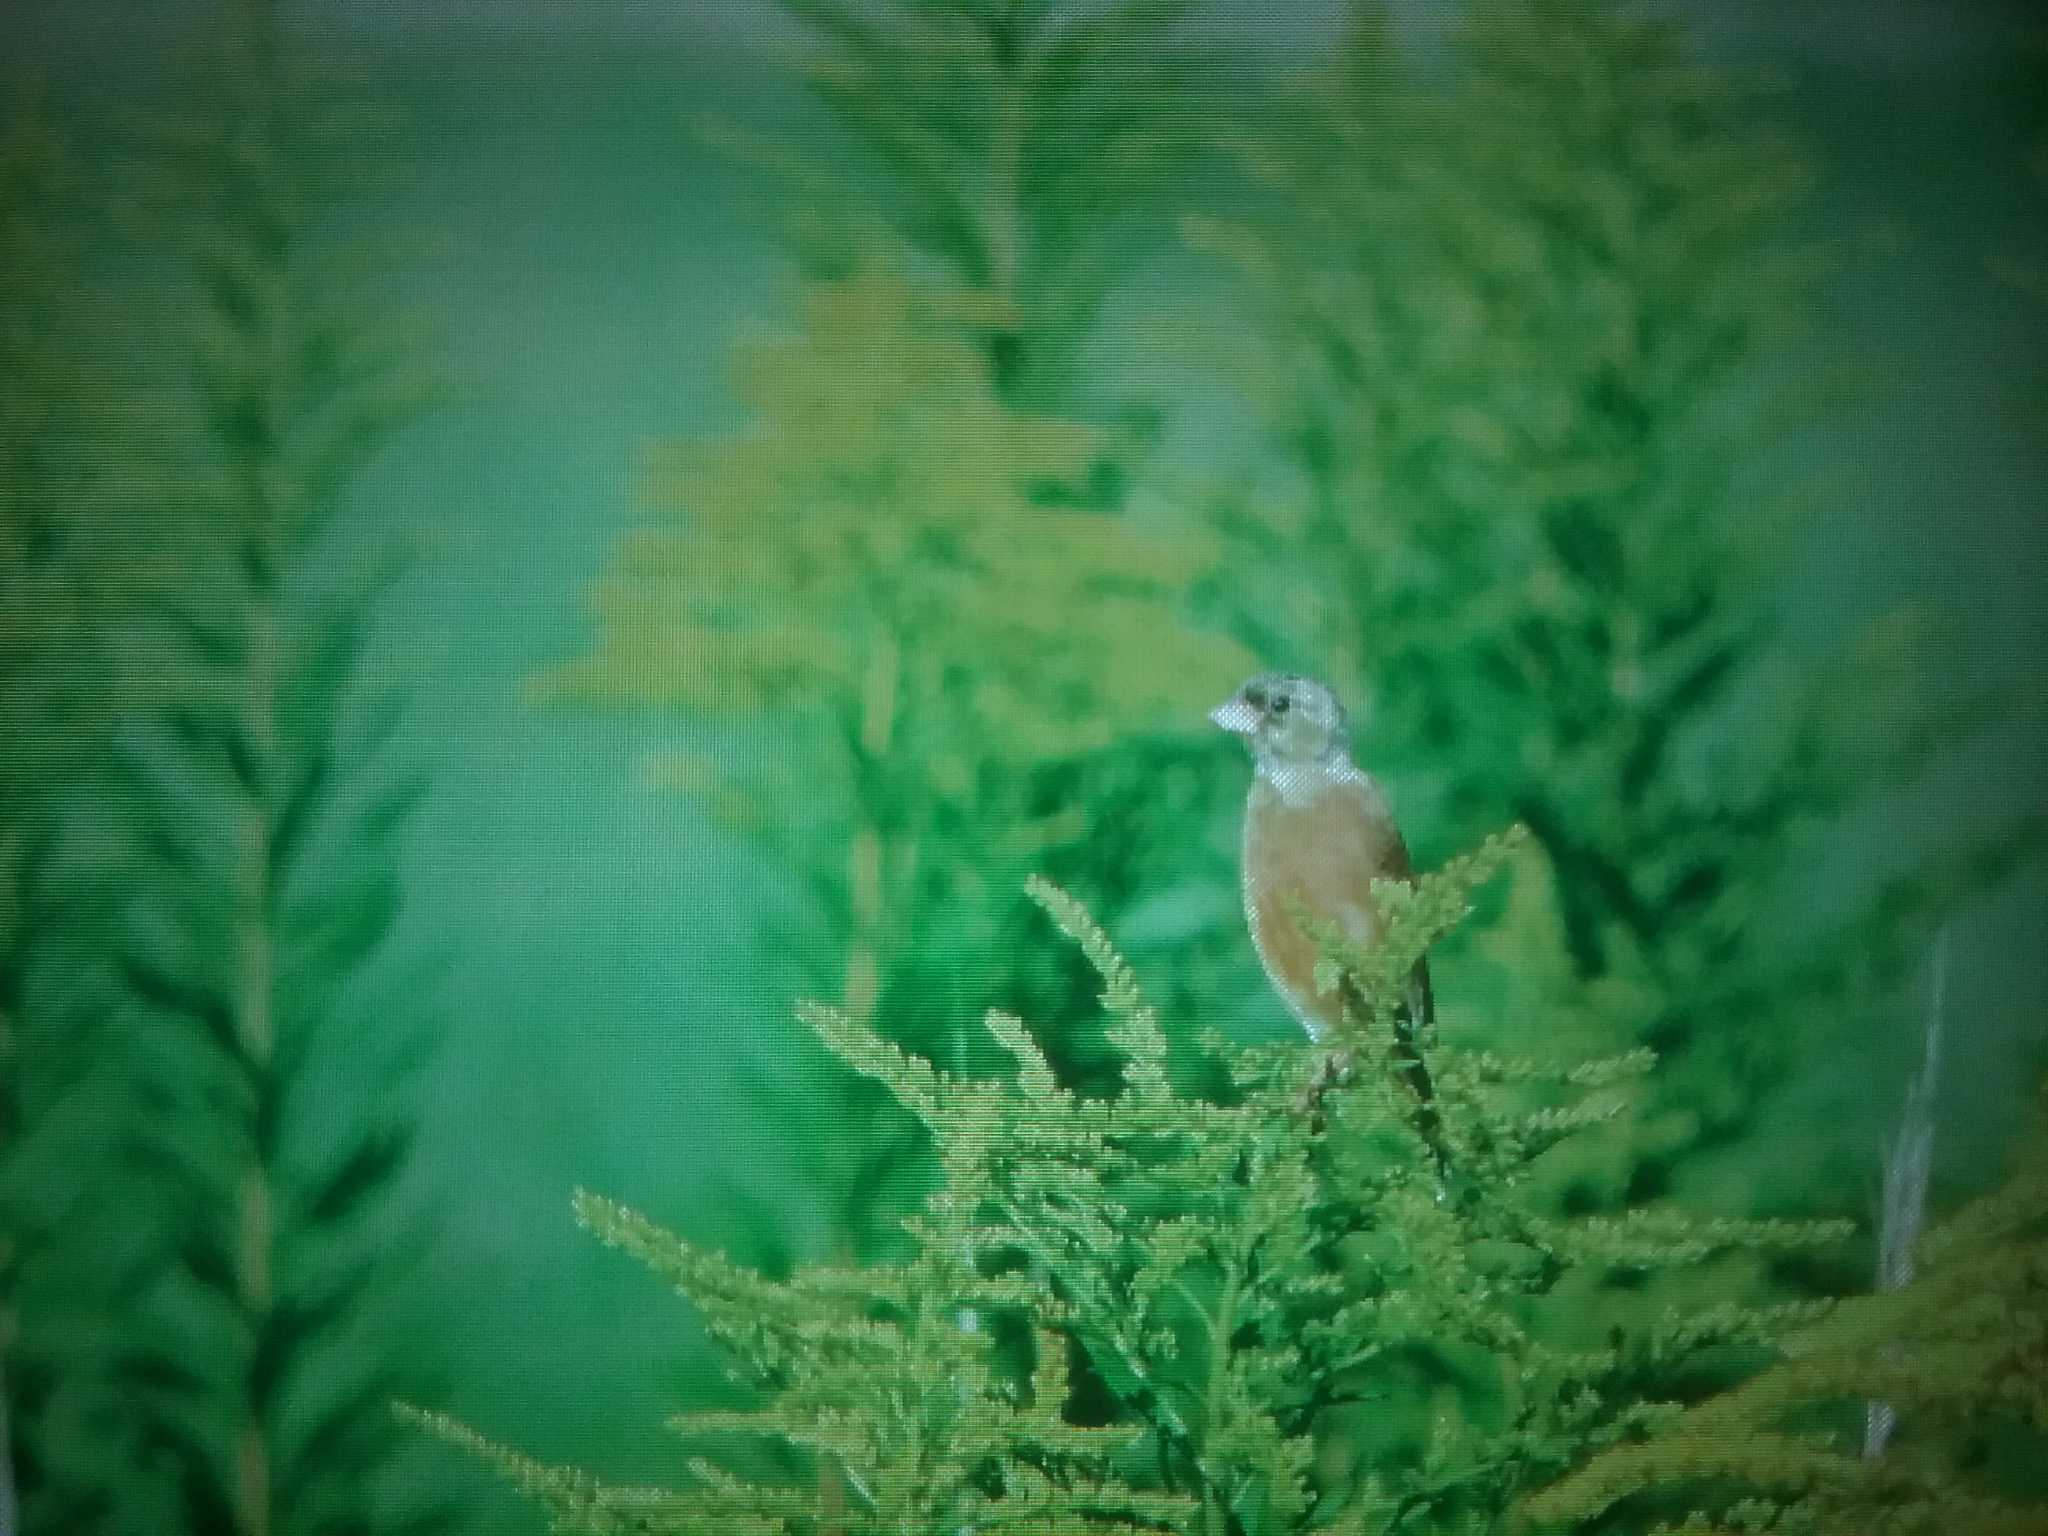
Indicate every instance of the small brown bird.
{"type": "Point", "coordinates": [1317, 832]}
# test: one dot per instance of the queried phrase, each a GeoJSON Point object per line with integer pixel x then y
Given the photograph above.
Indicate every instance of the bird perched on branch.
{"type": "Point", "coordinates": [1317, 833]}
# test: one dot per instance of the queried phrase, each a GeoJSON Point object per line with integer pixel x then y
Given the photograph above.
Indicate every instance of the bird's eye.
{"type": "Point", "coordinates": [1280, 702]}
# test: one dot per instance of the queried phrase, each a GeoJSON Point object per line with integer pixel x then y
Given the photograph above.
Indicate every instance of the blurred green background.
{"type": "Point", "coordinates": [575, 261]}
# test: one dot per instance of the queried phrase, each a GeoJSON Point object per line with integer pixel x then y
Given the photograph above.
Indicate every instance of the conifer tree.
{"type": "Point", "coordinates": [1032, 155]}
{"type": "Point", "coordinates": [1243, 1279]}
{"type": "Point", "coordinates": [869, 574]}
{"type": "Point", "coordinates": [1022, 151]}
{"type": "Point", "coordinates": [40, 617]}
{"type": "Point", "coordinates": [253, 830]}
{"type": "Point", "coordinates": [35, 627]}
{"type": "Point", "coordinates": [64, 569]}
{"type": "Point", "coordinates": [1526, 353]}
{"type": "Point", "coordinates": [1012, 157]}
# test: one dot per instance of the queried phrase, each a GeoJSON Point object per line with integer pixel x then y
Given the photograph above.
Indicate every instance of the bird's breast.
{"type": "Point", "coordinates": [1314, 849]}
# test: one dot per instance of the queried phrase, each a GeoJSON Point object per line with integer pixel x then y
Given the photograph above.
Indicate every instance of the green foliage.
{"type": "Point", "coordinates": [1961, 1355]}
{"type": "Point", "coordinates": [65, 565]}
{"type": "Point", "coordinates": [1018, 150]}
{"type": "Point", "coordinates": [199, 1305]}
{"type": "Point", "coordinates": [890, 1378]}
{"type": "Point", "coordinates": [39, 601]}
{"type": "Point", "coordinates": [1523, 352]}
{"type": "Point", "coordinates": [887, 497]}
{"type": "Point", "coordinates": [1031, 155]}
{"type": "Point", "coordinates": [1240, 1285]}
{"type": "Point", "coordinates": [875, 571]}
{"type": "Point", "coordinates": [65, 569]}
{"type": "Point", "coordinates": [911, 550]}
{"type": "Point", "coordinates": [36, 623]}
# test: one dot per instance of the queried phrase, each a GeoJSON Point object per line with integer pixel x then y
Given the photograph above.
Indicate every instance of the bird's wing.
{"type": "Point", "coordinates": [1358, 843]}
{"type": "Point", "coordinates": [1370, 848]}
{"type": "Point", "coordinates": [1320, 853]}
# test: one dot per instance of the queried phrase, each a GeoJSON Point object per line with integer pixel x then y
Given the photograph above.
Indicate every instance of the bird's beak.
{"type": "Point", "coordinates": [1236, 717]}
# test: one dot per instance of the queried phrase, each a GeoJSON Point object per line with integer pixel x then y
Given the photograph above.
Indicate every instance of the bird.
{"type": "Point", "coordinates": [1318, 830]}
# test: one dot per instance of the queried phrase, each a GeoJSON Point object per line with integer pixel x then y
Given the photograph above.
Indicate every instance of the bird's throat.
{"type": "Point", "coordinates": [1296, 783]}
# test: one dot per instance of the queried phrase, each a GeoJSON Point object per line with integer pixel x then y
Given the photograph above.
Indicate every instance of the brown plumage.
{"type": "Point", "coordinates": [1317, 833]}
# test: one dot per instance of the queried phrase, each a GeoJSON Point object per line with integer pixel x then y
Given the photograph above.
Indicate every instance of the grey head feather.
{"type": "Point", "coordinates": [1291, 723]}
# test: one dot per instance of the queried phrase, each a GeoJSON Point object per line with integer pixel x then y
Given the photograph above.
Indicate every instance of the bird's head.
{"type": "Point", "coordinates": [1287, 721]}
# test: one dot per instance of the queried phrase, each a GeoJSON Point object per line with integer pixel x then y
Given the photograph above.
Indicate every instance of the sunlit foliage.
{"type": "Point", "coordinates": [1960, 1355]}
{"type": "Point", "coordinates": [876, 579]}
{"type": "Point", "coordinates": [1242, 1279]}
